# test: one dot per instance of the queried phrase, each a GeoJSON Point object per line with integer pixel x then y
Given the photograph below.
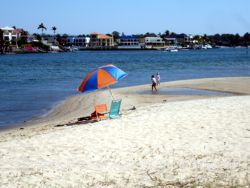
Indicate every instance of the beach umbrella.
{"type": "Point", "coordinates": [102, 77]}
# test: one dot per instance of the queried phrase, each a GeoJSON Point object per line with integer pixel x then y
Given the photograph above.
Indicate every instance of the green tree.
{"type": "Point", "coordinates": [23, 39]}
{"type": "Point", "coordinates": [62, 39]}
{"type": "Point", "coordinates": [226, 39]}
{"type": "Point", "coordinates": [116, 35]}
{"type": "Point", "coordinates": [148, 34]}
{"type": "Point", "coordinates": [246, 39]}
{"type": "Point", "coordinates": [42, 27]}
{"type": "Point", "coordinates": [1, 42]}
{"type": "Point", "coordinates": [237, 40]}
{"type": "Point", "coordinates": [37, 36]}
{"type": "Point", "coordinates": [167, 33]}
{"type": "Point", "coordinates": [6, 46]}
{"type": "Point", "coordinates": [173, 34]}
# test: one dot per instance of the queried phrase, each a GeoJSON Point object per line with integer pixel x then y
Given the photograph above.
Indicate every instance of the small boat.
{"type": "Point", "coordinates": [171, 49]}
{"type": "Point", "coordinates": [206, 46]}
{"type": "Point", "coordinates": [71, 48]}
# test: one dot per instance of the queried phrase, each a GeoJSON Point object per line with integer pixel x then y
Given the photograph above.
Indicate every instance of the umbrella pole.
{"type": "Point", "coordinates": [111, 93]}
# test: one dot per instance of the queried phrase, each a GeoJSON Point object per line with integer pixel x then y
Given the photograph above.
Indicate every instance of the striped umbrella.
{"type": "Point", "coordinates": [103, 76]}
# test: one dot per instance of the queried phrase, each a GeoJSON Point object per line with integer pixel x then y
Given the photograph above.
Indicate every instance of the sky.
{"type": "Point", "coordinates": [128, 16]}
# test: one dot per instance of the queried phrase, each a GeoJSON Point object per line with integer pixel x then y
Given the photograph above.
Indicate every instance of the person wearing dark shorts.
{"type": "Point", "coordinates": [153, 83]}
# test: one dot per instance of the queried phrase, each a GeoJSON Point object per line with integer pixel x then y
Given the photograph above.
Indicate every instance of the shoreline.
{"type": "Point", "coordinates": [61, 102]}
{"type": "Point", "coordinates": [132, 98]}
{"type": "Point", "coordinates": [168, 140]}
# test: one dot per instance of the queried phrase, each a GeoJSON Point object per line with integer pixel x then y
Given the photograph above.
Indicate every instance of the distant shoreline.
{"type": "Point", "coordinates": [120, 49]}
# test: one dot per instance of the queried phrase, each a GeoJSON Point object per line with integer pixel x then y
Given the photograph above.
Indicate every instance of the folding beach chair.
{"type": "Point", "coordinates": [115, 109]}
{"type": "Point", "coordinates": [100, 112]}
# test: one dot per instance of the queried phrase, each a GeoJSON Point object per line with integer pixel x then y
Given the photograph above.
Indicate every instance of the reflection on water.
{"type": "Point", "coordinates": [186, 91]}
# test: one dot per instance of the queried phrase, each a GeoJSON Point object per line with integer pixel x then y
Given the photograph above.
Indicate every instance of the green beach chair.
{"type": "Point", "coordinates": [115, 109]}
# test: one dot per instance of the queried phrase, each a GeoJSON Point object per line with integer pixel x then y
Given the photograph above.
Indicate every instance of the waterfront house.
{"type": "Point", "coordinates": [7, 33]}
{"type": "Point", "coordinates": [154, 42]}
{"type": "Point", "coordinates": [181, 38]}
{"type": "Point", "coordinates": [49, 40]}
{"type": "Point", "coordinates": [129, 42]}
{"type": "Point", "coordinates": [170, 41]}
{"type": "Point", "coordinates": [101, 41]}
{"type": "Point", "coordinates": [76, 41]}
{"type": "Point", "coordinates": [11, 34]}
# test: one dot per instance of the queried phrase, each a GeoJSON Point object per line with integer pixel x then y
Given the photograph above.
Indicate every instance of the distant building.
{"type": "Point", "coordinates": [7, 33]}
{"type": "Point", "coordinates": [87, 41]}
{"type": "Point", "coordinates": [49, 40]}
{"type": "Point", "coordinates": [154, 42]}
{"type": "Point", "coordinates": [101, 41]}
{"type": "Point", "coordinates": [32, 38]}
{"type": "Point", "coordinates": [170, 41]}
{"type": "Point", "coordinates": [11, 34]}
{"type": "Point", "coordinates": [76, 41]}
{"type": "Point", "coordinates": [128, 42]}
{"type": "Point", "coordinates": [181, 38]}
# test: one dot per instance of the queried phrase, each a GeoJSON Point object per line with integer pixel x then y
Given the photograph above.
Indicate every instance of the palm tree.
{"type": "Point", "coordinates": [42, 27]}
{"type": "Point", "coordinates": [54, 29]}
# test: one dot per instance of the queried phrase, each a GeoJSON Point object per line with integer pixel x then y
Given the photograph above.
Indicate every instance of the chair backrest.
{"type": "Point", "coordinates": [101, 108]}
{"type": "Point", "coordinates": [115, 108]}
{"type": "Point", "coordinates": [100, 112]}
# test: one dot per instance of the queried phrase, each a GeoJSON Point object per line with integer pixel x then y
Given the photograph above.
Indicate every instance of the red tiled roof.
{"type": "Point", "coordinates": [101, 36]}
{"type": "Point", "coordinates": [18, 30]}
{"type": "Point", "coordinates": [104, 36]}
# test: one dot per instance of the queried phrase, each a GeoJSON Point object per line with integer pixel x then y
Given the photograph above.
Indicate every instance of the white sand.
{"type": "Point", "coordinates": [198, 142]}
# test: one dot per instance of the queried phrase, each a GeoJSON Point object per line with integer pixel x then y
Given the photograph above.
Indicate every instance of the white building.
{"type": "Point", "coordinates": [128, 42]}
{"type": "Point", "coordinates": [8, 33]}
{"type": "Point", "coordinates": [75, 41]}
{"type": "Point", "coordinates": [154, 42]}
{"type": "Point", "coordinates": [11, 34]}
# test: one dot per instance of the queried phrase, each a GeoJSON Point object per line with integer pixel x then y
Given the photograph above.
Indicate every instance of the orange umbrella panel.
{"type": "Point", "coordinates": [100, 78]}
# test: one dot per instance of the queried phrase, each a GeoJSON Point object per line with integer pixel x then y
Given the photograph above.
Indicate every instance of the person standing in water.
{"type": "Point", "coordinates": [158, 78]}
{"type": "Point", "coordinates": [153, 83]}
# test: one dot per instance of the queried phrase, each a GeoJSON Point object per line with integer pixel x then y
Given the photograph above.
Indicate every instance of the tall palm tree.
{"type": "Point", "coordinates": [54, 29]}
{"type": "Point", "coordinates": [42, 27]}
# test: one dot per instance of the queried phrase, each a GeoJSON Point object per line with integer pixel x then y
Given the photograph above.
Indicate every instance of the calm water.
{"type": "Point", "coordinates": [31, 84]}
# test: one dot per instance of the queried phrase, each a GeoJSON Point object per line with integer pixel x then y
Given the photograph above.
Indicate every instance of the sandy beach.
{"type": "Point", "coordinates": [167, 141]}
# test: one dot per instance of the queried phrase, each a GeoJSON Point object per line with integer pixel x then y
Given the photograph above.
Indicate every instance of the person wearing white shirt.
{"type": "Point", "coordinates": [158, 78]}
{"type": "Point", "coordinates": [153, 83]}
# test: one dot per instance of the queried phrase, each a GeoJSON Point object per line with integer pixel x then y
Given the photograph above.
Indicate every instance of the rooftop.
{"type": "Point", "coordinates": [7, 28]}
{"type": "Point", "coordinates": [101, 36]}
